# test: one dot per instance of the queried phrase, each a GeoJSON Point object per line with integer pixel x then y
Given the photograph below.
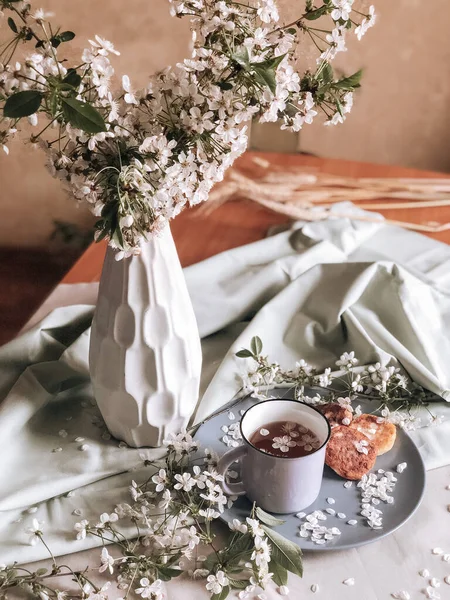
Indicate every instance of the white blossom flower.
{"type": "Point", "coordinates": [342, 10]}
{"type": "Point", "coordinates": [209, 514]}
{"type": "Point", "coordinates": [161, 480]}
{"type": "Point", "coordinates": [107, 562]}
{"type": "Point", "coordinates": [182, 443]}
{"type": "Point", "coordinates": [283, 443]}
{"type": "Point", "coordinates": [166, 500]}
{"type": "Point", "coordinates": [129, 97]}
{"type": "Point", "coordinates": [325, 378]}
{"type": "Point", "coordinates": [303, 367]}
{"type": "Point", "coordinates": [105, 518]}
{"type": "Point", "coordinates": [35, 531]}
{"type": "Point", "coordinates": [199, 477]}
{"type": "Point", "coordinates": [347, 360]}
{"type": "Point", "coordinates": [149, 590]}
{"type": "Point", "coordinates": [366, 23]}
{"type": "Point", "coordinates": [134, 491]}
{"type": "Point", "coordinates": [261, 553]}
{"type": "Point", "coordinates": [255, 527]}
{"type": "Point", "coordinates": [191, 537]}
{"type": "Point", "coordinates": [356, 384]}
{"type": "Point", "coordinates": [216, 583]}
{"type": "Point", "coordinates": [345, 403]}
{"type": "Point", "coordinates": [236, 525]}
{"type": "Point", "coordinates": [185, 482]}
{"type": "Point", "coordinates": [81, 528]}
{"type": "Point", "coordinates": [103, 47]}
{"type": "Point", "coordinates": [90, 594]}
{"type": "Point", "coordinates": [40, 15]}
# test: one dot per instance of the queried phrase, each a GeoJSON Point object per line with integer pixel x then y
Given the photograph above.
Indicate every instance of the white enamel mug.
{"type": "Point", "coordinates": [278, 484]}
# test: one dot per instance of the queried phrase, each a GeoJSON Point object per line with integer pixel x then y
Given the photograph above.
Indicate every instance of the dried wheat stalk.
{"type": "Point", "coordinates": [299, 193]}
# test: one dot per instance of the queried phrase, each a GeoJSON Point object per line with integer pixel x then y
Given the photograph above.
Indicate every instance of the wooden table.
{"type": "Point", "coordinates": [198, 236]}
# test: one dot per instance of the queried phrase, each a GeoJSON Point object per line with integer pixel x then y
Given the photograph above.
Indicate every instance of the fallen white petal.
{"type": "Point", "coordinates": [402, 595]}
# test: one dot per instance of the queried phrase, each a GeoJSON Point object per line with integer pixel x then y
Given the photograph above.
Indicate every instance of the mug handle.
{"type": "Point", "coordinates": [237, 488]}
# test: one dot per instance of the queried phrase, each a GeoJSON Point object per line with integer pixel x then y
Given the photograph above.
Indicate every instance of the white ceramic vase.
{"type": "Point", "coordinates": [145, 355]}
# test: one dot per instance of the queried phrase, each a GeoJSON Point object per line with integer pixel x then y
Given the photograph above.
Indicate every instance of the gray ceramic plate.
{"type": "Point", "coordinates": [408, 491]}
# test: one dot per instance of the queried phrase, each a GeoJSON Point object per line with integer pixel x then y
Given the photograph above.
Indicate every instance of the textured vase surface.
{"type": "Point", "coordinates": [145, 354]}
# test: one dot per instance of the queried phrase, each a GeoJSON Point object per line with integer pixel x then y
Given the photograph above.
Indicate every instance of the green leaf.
{"type": "Point", "coordinates": [351, 82]}
{"type": "Point", "coordinates": [166, 573]}
{"type": "Point", "coordinates": [239, 550]}
{"type": "Point", "coordinates": [271, 63]}
{"type": "Point", "coordinates": [103, 231]}
{"type": "Point", "coordinates": [238, 584]}
{"type": "Point", "coordinates": [265, 77]}
{"type": "Point", "coordinates": [327, 73]}
{"type": "Point", "coordinates": [12, 25]}
{"type": "Point", "coordinates": [244, 354]}
{"type": "Point", "coordinates": [268, 519]}
{"type": "Point", "coordinates": [241, 544]}
{"type": "Point", "coordinates": [41, 572]}
{"type": "Point", "coordinates": [242, 58]}
{"type": "Point", "coordinates": [280, 574]}
{"type": "Point", "coordinates": [316, 14]}
{"type": "Point", "coordinates": [22, 104]}
{"type": "Point", "coordinates": [53, 101]}
{"type": "Point", "coordinates": [210, 562]}
{"type": "Point", "coordinates": [72, 78]}
{"type": "Point", "coordinates": [82, 115]}
{"type": "Point", "coordinates": [284, 552]}
{"type": "Point", "coordinates": [223, 594]}
{"type": "Point", "coordinates": [225, 85]}
{"type": "Point", "coordinates": [292, 31]}
{"type": "Point", "coordinates": [118, 237]}
{"type": "Point", "coordinates": [256, 345]}
{"type": "Point", "coordinates": [66, 36]}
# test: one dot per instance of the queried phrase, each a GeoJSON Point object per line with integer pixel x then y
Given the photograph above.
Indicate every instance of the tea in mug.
{"type": "Point", "coordinates": [286, 439]}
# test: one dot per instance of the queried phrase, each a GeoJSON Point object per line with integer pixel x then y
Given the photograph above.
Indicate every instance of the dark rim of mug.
{"type": "Point", "coordinates": [244, 437]}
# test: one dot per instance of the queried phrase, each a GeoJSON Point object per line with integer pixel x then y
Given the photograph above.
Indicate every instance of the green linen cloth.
{"type": "Point", "coordinates": [312, 292]}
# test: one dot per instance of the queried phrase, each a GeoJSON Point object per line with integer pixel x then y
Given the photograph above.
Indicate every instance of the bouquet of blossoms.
{"type": "Point", "coordinates": [139, 157]}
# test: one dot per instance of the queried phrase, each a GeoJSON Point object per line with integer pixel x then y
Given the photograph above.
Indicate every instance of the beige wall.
{"type": "Point", "coordinates": [401, 115]}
